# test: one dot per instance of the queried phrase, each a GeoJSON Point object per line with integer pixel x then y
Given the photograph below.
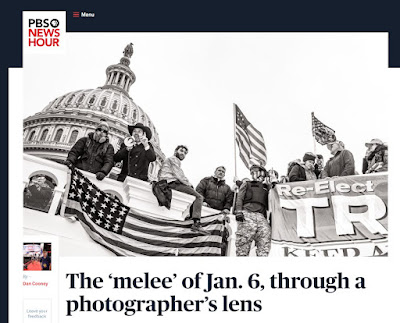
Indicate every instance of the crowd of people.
{"type": "Point", "coordinates": [340, 164]}
{"type": "Point", "coordinates": [248, 199]}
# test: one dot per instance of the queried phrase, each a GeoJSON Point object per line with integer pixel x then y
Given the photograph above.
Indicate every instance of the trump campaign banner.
{"type": "Point", "coordinates": [332, 217]}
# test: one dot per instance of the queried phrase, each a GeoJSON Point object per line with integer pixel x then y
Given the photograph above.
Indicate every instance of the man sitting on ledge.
{"type": "Point", "coordinates": [172, 173]}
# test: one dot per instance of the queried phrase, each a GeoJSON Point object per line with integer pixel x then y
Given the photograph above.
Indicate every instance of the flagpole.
{"type": "Point", "coordinates": [66, 190]}
{"type": "Point", "coordinates": [234, 136]}
{"type": "Point", "coordinates": [234, 150]}
{"type": "Point", "coordinates": [312, 133]}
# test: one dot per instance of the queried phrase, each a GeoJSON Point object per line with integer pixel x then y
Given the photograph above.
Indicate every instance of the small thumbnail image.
{"type": "Point", "coordinates": [39, 192]}
{"type": "Point", "coordinates": [37, 256]}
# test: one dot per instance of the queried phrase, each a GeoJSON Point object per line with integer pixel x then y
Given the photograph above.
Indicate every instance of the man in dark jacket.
{"type": "Point", "coordinates": [93, 153]}
{"type": "Point", "coordinates": [137, 154]}
{"type": "Point", "coordinates": [303, 171]}
{"type": "Point", "coordinates": [45, 261]}
{"type": "Point", "coordinates": [342, 162]}
{"type": "Point", "coordinates": [216, 193]}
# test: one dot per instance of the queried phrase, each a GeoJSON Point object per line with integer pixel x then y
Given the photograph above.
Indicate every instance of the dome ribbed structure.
{"type": "Point", "coordinates": [52, 132]}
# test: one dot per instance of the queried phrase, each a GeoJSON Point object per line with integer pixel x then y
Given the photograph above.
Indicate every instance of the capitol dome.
{"type": "Point", "coordinates": [52, 132]}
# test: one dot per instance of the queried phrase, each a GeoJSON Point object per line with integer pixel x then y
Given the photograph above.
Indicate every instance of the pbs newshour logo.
{"type": "Point", "coordinates": [43, 32]}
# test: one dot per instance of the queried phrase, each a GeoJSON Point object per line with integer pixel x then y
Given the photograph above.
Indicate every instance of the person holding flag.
{"type": "Point", "coordinates": [252, 199]}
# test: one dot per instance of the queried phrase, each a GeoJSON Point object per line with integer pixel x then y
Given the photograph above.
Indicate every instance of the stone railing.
{"type": "Point", "coordinates": [43, 143]}
{"type": "Point", "coordinates": [132, 192]}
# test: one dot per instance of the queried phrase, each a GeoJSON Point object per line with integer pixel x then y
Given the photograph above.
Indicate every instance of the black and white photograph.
{"type": "Point", "coordinates": [210, 144]}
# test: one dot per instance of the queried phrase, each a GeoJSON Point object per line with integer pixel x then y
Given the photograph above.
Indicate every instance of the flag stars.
{"type": "Point", "coordinates": [101, 208]}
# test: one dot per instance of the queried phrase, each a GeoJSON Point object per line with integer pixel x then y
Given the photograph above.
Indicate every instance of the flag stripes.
{"type": "Point", "coordinates": [253, 144]}
{"type": "Point", "coordinates": [244, 151]}
{"type": "Point", "coordinates": [249, 140]}
{"type": "Point", "coordinates": [132, 242]}
{"type": "Point", "coordinates": [129, 233]}
{"type": "Point", "coordinates": [321, 132]}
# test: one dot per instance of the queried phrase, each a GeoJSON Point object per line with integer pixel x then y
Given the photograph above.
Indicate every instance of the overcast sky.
{"type": "Point", "coordinates": [187, 84]}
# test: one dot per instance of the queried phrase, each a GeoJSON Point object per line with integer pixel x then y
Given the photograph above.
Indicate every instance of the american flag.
{"type": "Point", "coordinates": [321, 132]}
{"type": "Point", "coordinates": [250, 141]}
{"type": "Point", "coordinates": [128, 233]}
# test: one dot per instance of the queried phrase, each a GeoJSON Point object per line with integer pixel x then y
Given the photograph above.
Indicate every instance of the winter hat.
{"type": "Point", "coordinates": [103, 124]}
{"type": "Point", "coordinates": [309, 156]}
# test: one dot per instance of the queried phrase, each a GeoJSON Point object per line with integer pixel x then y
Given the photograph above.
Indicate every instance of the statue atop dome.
{"type": "Point", "coordinates": [128, 51]}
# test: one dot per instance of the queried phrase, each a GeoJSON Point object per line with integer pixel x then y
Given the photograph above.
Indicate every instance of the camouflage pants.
{"type": "Point", "coordinates": [254, 227]}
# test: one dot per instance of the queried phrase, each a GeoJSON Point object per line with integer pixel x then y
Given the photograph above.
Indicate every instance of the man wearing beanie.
{"type": "Point", "coordinates": [303, 171]}
{"type": "Point", "coordinates": [93, 153]}
{"type": "Point", "coordinates": [341, 163]}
